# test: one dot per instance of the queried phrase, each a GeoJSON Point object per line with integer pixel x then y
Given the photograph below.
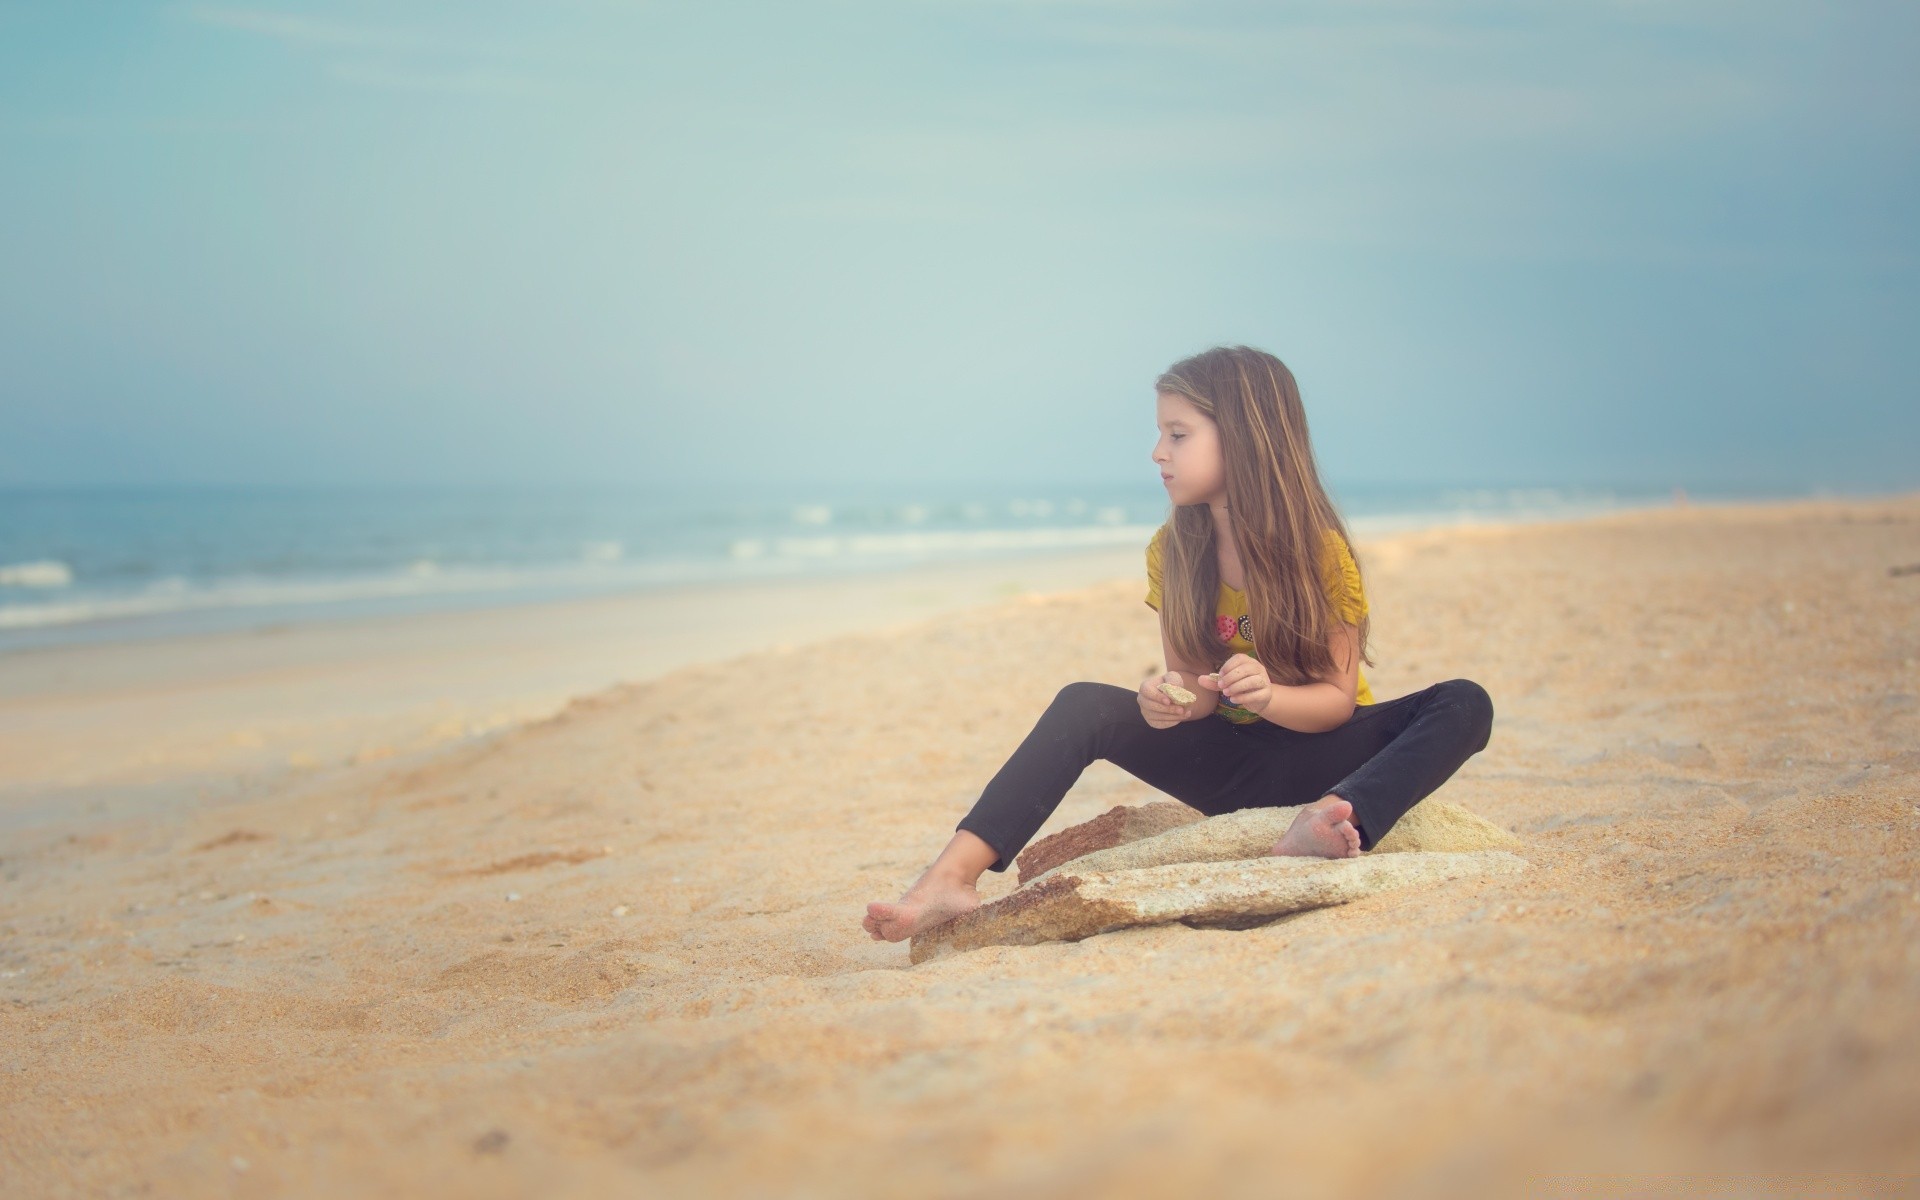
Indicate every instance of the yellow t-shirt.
{"type": "Point", "coordinates": [1339, 574]}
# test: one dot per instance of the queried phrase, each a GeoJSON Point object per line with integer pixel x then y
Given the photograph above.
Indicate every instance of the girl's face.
{"type": "Point", "coordinates": [1188, 453]}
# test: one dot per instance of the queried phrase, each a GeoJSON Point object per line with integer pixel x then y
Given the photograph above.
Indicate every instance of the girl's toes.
{"type": "Point", "coordinates": [1352, 836]}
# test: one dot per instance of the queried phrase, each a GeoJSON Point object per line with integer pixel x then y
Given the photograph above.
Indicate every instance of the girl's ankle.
{"type": "Point", "coordinates": [947, 877]}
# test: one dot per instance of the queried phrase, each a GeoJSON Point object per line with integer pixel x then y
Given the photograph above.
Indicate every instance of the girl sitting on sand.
{"type": "Point", "coordinates": [1263, 622]}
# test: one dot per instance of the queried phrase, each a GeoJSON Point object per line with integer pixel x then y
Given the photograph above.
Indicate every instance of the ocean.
{"type": "Point", "coordinates": [106, 564]}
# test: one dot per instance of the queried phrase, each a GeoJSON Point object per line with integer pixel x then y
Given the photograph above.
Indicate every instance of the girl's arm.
{"type": "Point", "coordinates": [1327, 703]}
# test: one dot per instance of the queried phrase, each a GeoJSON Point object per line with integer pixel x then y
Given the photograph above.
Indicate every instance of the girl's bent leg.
{"type": "Point", "coordinates": [1435, 732]}
{"type": "Point", "coordinates": [1084, 721]}
{"type": "Point", "coordinates": [1193, 762]}
{"type": "Point", "coordinates": [1024, 793]}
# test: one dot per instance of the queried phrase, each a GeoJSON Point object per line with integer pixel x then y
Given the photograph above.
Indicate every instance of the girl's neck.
{"type": "Point", "coordinates": [1222, 522]}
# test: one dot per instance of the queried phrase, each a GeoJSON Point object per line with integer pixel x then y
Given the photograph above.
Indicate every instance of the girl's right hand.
{"type": "Point", "coordinates": [1160, 709]}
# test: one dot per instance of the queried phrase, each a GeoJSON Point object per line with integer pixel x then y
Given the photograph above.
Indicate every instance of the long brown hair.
{"type": "Point", "coordinates": [1281, 517]}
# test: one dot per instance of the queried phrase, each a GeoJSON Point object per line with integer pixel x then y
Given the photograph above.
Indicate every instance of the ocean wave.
{"type": "Point", "coordinates": [46, 573]}
{"type": "Point", "coordinates": [603, 565]}
{"type": "Point", "coordinates": [173, 595]}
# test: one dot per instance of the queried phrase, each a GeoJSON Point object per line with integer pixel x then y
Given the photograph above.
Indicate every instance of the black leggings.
{"type": "Point", "coordinates": [1383, 761]}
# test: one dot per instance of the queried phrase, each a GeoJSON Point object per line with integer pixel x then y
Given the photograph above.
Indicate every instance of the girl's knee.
{"type": "Point", "coordinates": [1472, 701]}
{"type": "Point", "coordinates": [1077, 694]}
{"type": "Point", "coordinates": [1092, 704]}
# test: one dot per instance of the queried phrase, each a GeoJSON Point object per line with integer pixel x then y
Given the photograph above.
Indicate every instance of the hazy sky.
{"type": "Point", "coordinates": [711, 244]}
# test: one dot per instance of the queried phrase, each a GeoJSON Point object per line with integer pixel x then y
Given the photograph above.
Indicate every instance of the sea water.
{"type": "Point", "coordinates": [105, 564]}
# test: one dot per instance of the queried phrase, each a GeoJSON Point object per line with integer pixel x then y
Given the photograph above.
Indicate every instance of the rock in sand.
{"type": "Point", "coordinates": [1094, 877]}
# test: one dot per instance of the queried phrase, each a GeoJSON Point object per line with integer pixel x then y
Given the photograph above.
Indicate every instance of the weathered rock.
{"type": "Point", "coordinates": [1070, 903]}
{"type": "Point", "coordinates": [1251, 833]}
{"type": "Point", "coordinates": [1114, 871]}
{"type": "Point", "coordinates": [1117, 826]}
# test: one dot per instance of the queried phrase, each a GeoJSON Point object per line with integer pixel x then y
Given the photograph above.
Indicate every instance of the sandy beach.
{"type": "Point", "coordinates": [351, 917]}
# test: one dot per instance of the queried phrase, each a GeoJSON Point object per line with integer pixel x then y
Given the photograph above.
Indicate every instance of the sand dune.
{"type": "Point", "coordinates": [621, 947]}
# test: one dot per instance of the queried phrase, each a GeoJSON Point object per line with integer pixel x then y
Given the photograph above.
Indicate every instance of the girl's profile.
{"type": "Point", "coordinates": [1263, 621]}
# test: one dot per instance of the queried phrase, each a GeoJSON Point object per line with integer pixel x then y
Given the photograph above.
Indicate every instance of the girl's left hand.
{"type": "Point", "coordinates": [1242, 680]}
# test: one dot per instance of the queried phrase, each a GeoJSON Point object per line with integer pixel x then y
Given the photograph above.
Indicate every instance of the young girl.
{"type": "Point", "coordinates": [1263, 619]}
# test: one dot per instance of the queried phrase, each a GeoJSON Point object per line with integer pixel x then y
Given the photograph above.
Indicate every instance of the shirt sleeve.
{"type": "Point", "coordinates": [1340, 575]}
{"type": "Point", "coordinates": [1154, 559]}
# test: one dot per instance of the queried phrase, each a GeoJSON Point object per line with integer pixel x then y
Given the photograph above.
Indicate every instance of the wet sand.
{"type": "Point", "coordinates": [619, 947]}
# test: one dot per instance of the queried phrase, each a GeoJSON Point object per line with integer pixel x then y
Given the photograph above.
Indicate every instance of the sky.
{"type": "Point", "coordinates": [721, 245]}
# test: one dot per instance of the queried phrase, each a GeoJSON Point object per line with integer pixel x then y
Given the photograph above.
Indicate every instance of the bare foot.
{"type": "Point", "coordinates": [1323, 829]}
{"type": "Point", "coordinates": [932, 901]}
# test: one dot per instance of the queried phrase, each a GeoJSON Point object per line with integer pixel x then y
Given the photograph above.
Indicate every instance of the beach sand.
{"type": "Point", "coordinates": [619, 947]}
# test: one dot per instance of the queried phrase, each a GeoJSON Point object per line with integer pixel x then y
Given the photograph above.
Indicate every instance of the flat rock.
{"type": "Point", "coordinates": [1108, 873]}
{"type": "Point", "coordinates": [1071, 903]}
{"type": "Point", "coordinates": [1250, 833]}
{"type": "Point", "coordinates": [1117, 826]}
